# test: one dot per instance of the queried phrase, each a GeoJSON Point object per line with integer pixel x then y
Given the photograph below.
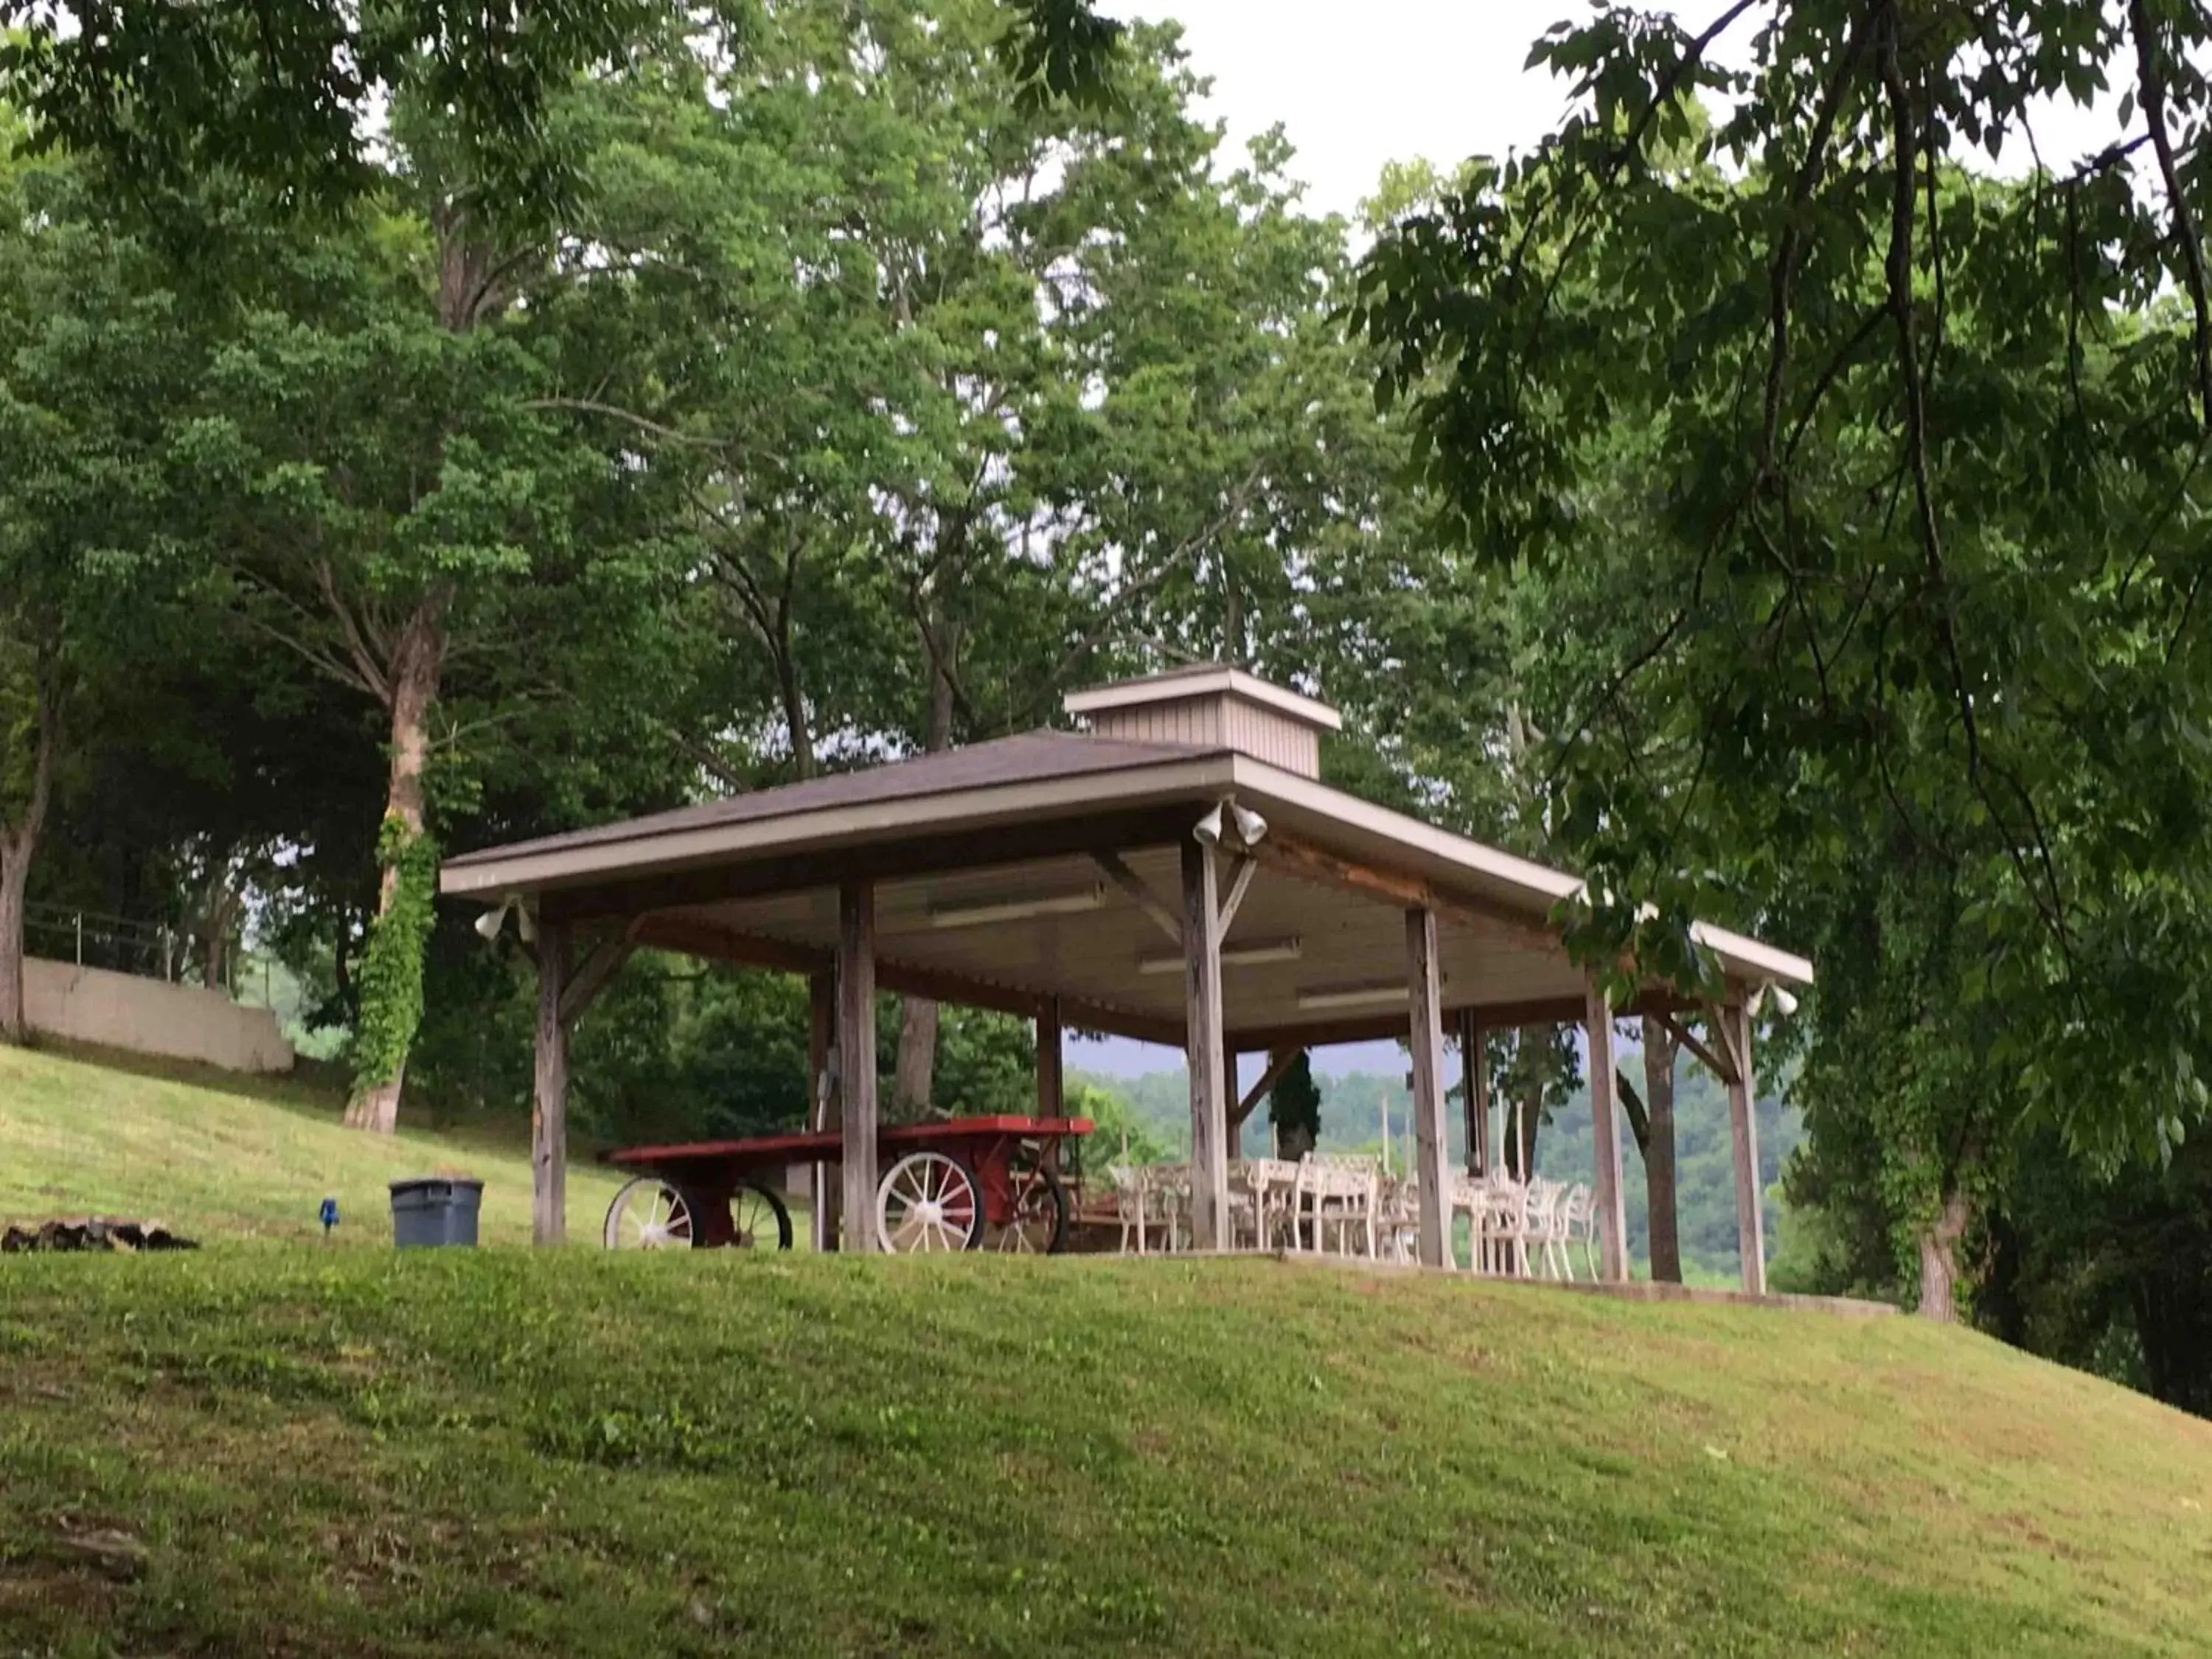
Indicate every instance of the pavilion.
{"type": "Point", "coordinates": [1178, 872]}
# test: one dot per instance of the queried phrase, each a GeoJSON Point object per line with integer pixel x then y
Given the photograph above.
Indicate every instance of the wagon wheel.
{"type": "Point", "coordinates": [1038, 1225]}
{"type": "Point", "coordinates": [648, 1214]}
{"type": "Point", "coordinates": [758, 1219]}
{"type": "Point", "coordinates": [929, 1201]}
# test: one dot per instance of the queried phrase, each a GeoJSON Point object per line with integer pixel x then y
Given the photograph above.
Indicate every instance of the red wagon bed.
{"type": "Point", "coordinates": [950, 1184]}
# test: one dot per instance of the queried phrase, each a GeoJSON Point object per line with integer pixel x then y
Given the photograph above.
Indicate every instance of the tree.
{"type": "Point", "coordinates": [409, 505]}
{"type": "Point", "coordinates": [1925, 630]}
{"type": "Point", "coordinates": [1294, 1110]}
{"type": "Point", "coordinates": [92, 354]}
{"type": "Point", "coordinates": [281, 92]}
{"type": "Point", "coordinates": [950, 432]}
{"type": "Point", "coordinates": [1651, 1121]}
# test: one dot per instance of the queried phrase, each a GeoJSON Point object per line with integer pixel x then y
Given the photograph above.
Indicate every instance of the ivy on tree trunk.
{"type": "Point", "coordinates": [390, 976]}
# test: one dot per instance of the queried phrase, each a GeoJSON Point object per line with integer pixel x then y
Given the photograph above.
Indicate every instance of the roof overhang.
{"type": "Point", "coordinates": [958, 826]}
{"type": "Point", "coordinates": [529, 869]}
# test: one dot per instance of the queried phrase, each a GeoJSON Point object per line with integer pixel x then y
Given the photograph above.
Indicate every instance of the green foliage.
{"type": "Point", "coordinates": [391, 972]}
{"type": "Point", "coordinates": [1122, 1131]}
{"type": "Point", "coordinates": [986, 1063]}
{"type": "Point", "coordinates": [1857, 482]}
{"type": "Point", "coordinates": [1294, 1104]}
{"type": "Point", "coordinates": [275, 93]}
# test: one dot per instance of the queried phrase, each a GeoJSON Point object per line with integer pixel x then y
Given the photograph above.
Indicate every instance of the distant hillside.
{"type": "Point", "coordinates": [1352, 1106]}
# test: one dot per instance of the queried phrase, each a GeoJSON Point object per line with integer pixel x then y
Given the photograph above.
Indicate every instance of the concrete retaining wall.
{"type": "Point", "coordinates": [151, 1016]}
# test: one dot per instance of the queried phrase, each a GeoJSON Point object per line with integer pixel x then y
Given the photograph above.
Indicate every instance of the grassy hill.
{"type": "Point", "coordinates": [218, 1157]}
{"type": "Point", "coordinates": [497, 1453]}
{"type": "Point", "coordinates": [275, 1448]}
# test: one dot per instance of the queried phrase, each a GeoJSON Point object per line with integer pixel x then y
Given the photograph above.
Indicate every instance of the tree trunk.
{"type": "Point", "coordinates": [1659, 1151]}
{"type": "Point", "coordinates": [14, 874]}
{"type": "Point", "coordinates": [214, 927]}
{"type": "Point", "coordinates": [417, 666]}
{"type": "Point", "coordinates": [794, 713]}
{"type": "Point", "coordinates": [1939, 1260]}
{"type": "Point", "coordinates": [915, 1079]}
{"type": "Point", "coordinates": [18, 843]}
{"type": "Point", "coordinates": [1522, 1124]}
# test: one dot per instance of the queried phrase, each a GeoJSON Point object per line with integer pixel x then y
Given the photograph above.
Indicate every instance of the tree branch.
{"type": "Point", "coordinates": [593, 406]}
{"type": "Point", "coordinates": [2153, 98]}
{"type": "Point", "coordinates": [1807, 181]}
{"type": "Point", "coordinates": [328, 664]}
{"type": "Point", "coordinates": [1671, 82]}
{"type": "Point", "coordinates": [1903, 206]}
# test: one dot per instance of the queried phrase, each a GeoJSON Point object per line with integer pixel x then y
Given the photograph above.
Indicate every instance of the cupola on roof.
{"type": "Point", "coordinates": [1211, 706]}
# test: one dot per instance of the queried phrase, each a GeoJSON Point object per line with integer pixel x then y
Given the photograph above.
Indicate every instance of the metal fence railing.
{"type": "Point", "coordinates": [92, 938]}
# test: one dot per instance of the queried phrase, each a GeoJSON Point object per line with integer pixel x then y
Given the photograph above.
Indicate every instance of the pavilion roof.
{"type": "Point", "coordinates": [1021, 815]}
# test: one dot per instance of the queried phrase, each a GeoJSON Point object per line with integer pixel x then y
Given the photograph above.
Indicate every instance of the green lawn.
{"type": "Point", "coordinates": [293, 1451]}
{"type": "Point", "coordinates": [220, 1157]}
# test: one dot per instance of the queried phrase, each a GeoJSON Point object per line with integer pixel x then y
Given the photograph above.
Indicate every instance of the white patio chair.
{"type": "Point", "coordinates": [1579, 1216]}
{"type": "Point", "coordinates": [1302, 1230]}
{"type": "Point", "coordinates": [1548, 1226]}
{"type": "Point", "coordinates": [1168, 1187]}
{"type": "Point", "coordinates": [1129, 1203]}
{"type": "Point", "coordinates": [1248, 1182]}
{"type": "Point", "coordinates": [1503, 1232]}
{"type": "Point", "coordinates": [1398, 1219]}
{"type": "Point", "coordinates": [1338, 1194]}
{"type": "Point", "coordinates": [1464, 1197]}
{"type": "Point", "coordinates": [1262, 1192]}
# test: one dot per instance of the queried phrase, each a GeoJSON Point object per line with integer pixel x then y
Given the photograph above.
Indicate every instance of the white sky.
{"type": "Point", "coordinates": [1359, 82]}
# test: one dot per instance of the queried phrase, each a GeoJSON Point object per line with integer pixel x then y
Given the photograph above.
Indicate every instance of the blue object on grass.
{"type": "Point", "coordinates": [329, 1214]}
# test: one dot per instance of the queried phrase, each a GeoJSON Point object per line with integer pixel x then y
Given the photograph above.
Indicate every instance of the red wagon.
{"type": "Point", "coordinates": [957, 1183]}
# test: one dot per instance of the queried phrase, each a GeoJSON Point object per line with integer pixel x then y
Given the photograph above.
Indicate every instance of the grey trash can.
{"type": "Point", "coordinates": [435, 1210]}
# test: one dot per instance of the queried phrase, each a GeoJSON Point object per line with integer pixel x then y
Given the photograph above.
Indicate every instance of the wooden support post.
{"type": "Point", "coordinates": [548, 1104]}
{"type": "Point", "coordinates": [1474, 1083]}
{"type": "Point", "coordinates": [1612, 1202]}
{"type": "Point", "coordinates": [592, 973]}
{"type": "Point", "coordinates": [823, 1111]}
{"type": "Point", "coordinates": [1133, 885]}
{"type": "Point", "coordinates": [1233, 900]}
{"type": "Point", "coordinates": [1427, 1035]}
{"type": "Point", "coordinates": [1280, 1061]}
{"type": "Point", "coordinates": [1734, 1033]}
{"type": "Point", "coordinates": [1202, 1049]}
{"type": "Point", "coordinates": [856, 1059]}
{"type": "Point", "coordinates": [1051, 1087]}
{"type": "Point", "coordinates": [1233, 1140]}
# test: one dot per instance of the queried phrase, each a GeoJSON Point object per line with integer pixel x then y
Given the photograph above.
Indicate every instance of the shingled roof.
{"type": "Point", "coordinates": [1031, 757]}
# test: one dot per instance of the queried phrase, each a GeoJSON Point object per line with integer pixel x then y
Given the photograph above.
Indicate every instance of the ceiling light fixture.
{"type": "Point", "coordinates": [1316, 998]}
{"type": "Point", "coordinates": [981, 912]}
{"type": "Point", "coordinates": [1232, 955]}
